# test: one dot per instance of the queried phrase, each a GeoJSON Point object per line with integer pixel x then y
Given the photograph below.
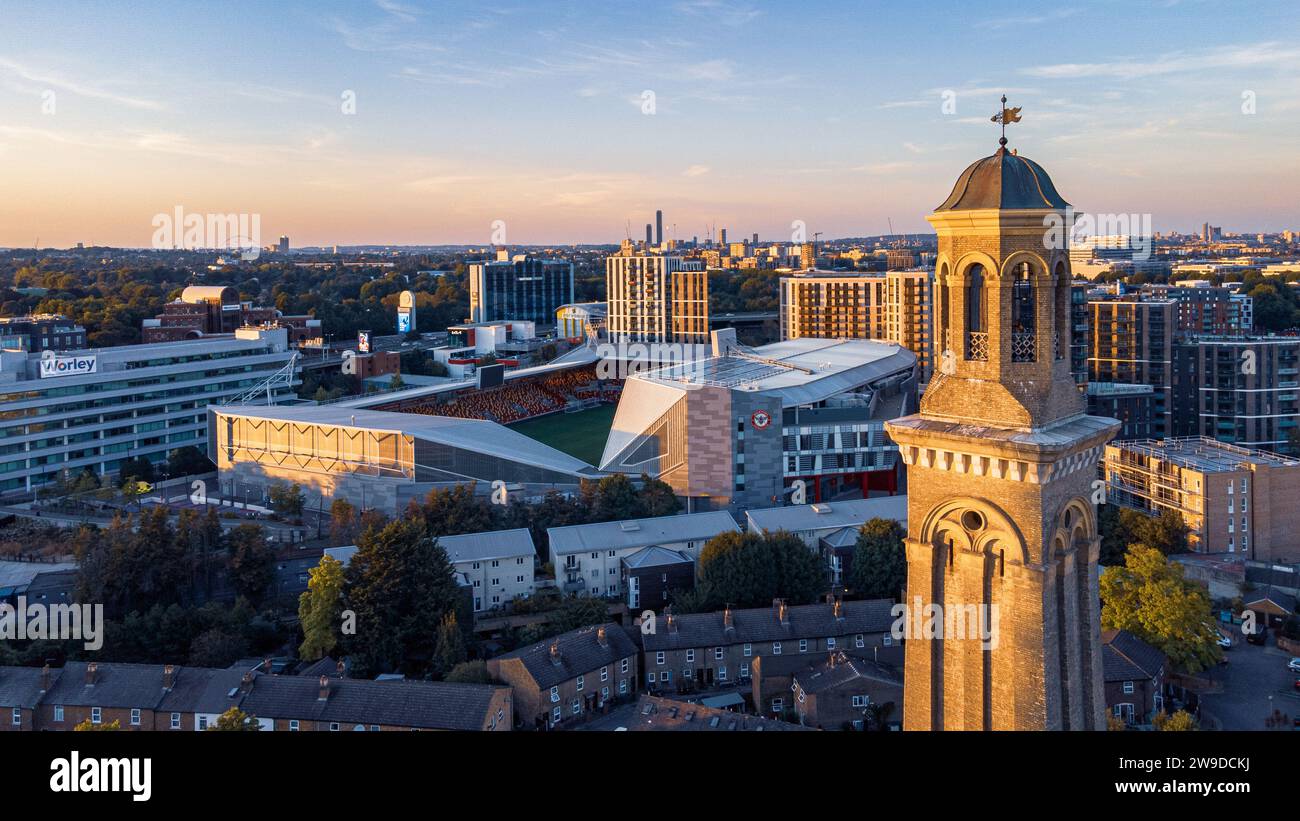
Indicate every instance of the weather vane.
{"type": "Point", "coordinates": [1006, 115]}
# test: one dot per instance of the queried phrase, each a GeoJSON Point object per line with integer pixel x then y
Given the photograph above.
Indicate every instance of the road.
{"type": "Point", "coordinates": [1255, 682]}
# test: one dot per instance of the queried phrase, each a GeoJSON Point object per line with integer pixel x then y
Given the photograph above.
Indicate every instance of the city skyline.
{"type": "Point", "coordinates": [537, 116]}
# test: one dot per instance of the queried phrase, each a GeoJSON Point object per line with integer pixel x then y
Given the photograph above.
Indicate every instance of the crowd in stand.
{"type": "Point", "coordinates": [525, 398]}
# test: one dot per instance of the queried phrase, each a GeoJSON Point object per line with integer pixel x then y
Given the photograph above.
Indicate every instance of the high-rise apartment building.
{"type": "Point", "coordinates": [894, 307]}
{"type": "Point", "coordinates": [1132, 343]}
{"type": "Point", "coordinates": [1206, 309]}
{"type": "Point", "coordinates": [1241, 390]}
{"type": "Point", "coordinates": [655, 298]}
{"type": "Point", "coordinates": [525, 288]}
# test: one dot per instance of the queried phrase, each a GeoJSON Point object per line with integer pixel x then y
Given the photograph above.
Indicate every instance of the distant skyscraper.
{"type": "Point", "coordinates": [651, 298]}
{"type": "Point", "coordinates": [659, 228]}
{"type": "Point", "coordinates": [722, 237]}
{"type": "Point", "coordinates": [284, 244]}
{"type": "Point", "coordinates": [523, 288]}
{"type": "Point", "coordinates": [647, 234]}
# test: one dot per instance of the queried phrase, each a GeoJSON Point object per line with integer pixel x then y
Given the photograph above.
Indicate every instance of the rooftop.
{"type": "Point", "coordinates": [495, 544]}
{"type": "Point", "coordinates": [1204, 454]}
{"type": "Point", "coordinates": [764, 624]}
{"type": "Point", "coordinates": [572, 654]}
{"type": "Point", "coordinates": [849, 513]}
{"type": "Point", "coordinates": [655, 713]}
{"type": "Point", "coordinates": [1003, 180]}
{"type": "Point", "coordinates": [634, 533]}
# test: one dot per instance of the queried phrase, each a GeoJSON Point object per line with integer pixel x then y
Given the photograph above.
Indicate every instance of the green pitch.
{"type": "Point", "coordinates": [580, 434]}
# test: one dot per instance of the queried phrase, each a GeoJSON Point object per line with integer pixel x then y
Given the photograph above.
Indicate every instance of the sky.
{"type": "Point", "coordinates": [405, 122]}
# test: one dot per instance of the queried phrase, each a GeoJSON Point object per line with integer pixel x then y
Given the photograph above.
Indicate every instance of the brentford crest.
{"type": "Point", "coordinates": [761, 419]}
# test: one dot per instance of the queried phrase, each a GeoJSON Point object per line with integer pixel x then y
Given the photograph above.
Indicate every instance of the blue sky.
{"type": "Point", "coordinates": [532, 113]}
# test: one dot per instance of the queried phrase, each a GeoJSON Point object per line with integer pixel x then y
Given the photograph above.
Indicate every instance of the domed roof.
{"type": "Point", "coordinates": [1003, 180]}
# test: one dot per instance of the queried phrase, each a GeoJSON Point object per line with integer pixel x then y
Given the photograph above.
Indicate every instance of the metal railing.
{"type": "Point", "coordinates": [977, 346]}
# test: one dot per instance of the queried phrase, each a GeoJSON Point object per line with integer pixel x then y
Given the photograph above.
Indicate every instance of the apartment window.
{"type": "Point", "coordinates": [476, 565]}
{"type": "Point", "coordinates": [135, 716]}
{"type": "Point", "coordinates": [176, 721]}
{"type": "Point", "coordinates": [622, 685]}
{"type": "Point", "coordinates": [555, 715]}
{"type": "Point", "coordinates": [666, 675]}
{"type": "Point", "coordinates": [1243, 524]}
{"type": "Point", "coordinates": [496, 563]}
{"type": "Point", "coordinates": [519, 579]}
{"type": "Point", "coordinates": [58, 712]}
{"type": "Point", "coordinates": [95, 715]}
{"type": "Point", "coordinates": [496, 582]}
{"type": "Point", "coordinates": [749, 650]}
{"type": "Point", "coordinates": [18, 717]}
{"type": "Point", "coordinates": [861, 701]}
{"type": "Point", "coordinates": [334, 726]}
{"type": "Point", "coordinates": [374, 728]}
{"type": "Point", "coordinates": [604, 674]}
{"type": "Point", "coordinates": [1128, 688]}
{"type": "Point", "coordinates": [203, 722]}
{"type": "Point", "coordinates": [858, 641]}
{"type": "Point", "coordinates": [690, 656]}
{"type": "Point", "coordinates": [576, 707]}
{"type": "Point", "coordinates": [293, 725]}
{"type": "Point", "coordinates": [778, 704]}
{"type": "Point", "coordinates": [687, 673]}
{"type": "Point", "coordinates": [744, 671]}
{"type": "Point", "coordinates": [519, 560]}
{"type": "Point", "coordinates": [555, 694]}
{"type": "Point", "coordinates": [803, 645]}
{"type": "Point", "coordinates": [623, 666]}
{"type": "Point", "coordinates": [717, 654]}
{"type": "Point", "coordinates": [580, 680]}
{"type": "Point", "coordinates": [722, 674]}
{"type": "Point", "coordinates": [604, 693]}
{"type": "Point", "coordinates": [886, 640]}
{"type": "Point", "coordinates": [830, 643]}
{"type": "Point", "coordinates": [659, 657]}
{"type": "Point", "coordinates": [651, 678]}
{"type": "Point", "coordinates": [776, 648]}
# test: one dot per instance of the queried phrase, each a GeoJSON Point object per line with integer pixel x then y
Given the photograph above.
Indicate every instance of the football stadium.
{"type": "Point", "coordinates": [728, 426]}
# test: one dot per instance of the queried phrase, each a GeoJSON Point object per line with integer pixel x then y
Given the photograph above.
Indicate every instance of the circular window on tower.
{"type": "Point", "coordinates": [972, 520]}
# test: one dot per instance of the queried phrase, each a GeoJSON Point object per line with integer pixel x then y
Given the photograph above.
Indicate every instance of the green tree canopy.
{"type": "Point", "coordinates": [879, 569]}
{"type": "Point", "coordinates": [319, 607]}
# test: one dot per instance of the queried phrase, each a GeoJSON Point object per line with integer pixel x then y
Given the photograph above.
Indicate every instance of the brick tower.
{"type": "Point", "coordinates": [1001, 461]}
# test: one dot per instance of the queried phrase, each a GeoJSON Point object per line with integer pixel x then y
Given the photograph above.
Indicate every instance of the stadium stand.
{"type": "Point", "coordinates": [521, 399]}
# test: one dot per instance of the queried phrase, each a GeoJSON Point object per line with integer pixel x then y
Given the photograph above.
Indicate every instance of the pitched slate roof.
{"type": "Point", "coordinates": [1273, 596]}
{"type": "Point", "coordinates": [762, 624]}
{"type": "Point", "coordinates": [21, 686]}
{"type": "Point", "coordinates": [823, 675]}
{"type": "Point", "coordinates": [202, 690]}
{"type": "Point", "coordinates": [579, 652]}
{"type": "Point", "coordinates": [656, 556]}
{"type": "Point", "coordinates": [431, 705]}
{"type": "Point", "coordinates": [115, 686]}
{"type": "Point", "coordinates": [825, 515]}
{"type": "Point", "coordinates": [656, 713]}
{"type": "Point", "coordinates": [1125, 657]}
{"type": "Point", "coordinates": [481, 547]}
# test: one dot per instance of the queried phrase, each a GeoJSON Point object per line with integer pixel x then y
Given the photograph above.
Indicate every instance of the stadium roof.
{"type": "Point", "coordinates": [849, 513]}
{"type": "Point", "coordinates": [633, 533]}
{"type": "Point", "coordinates": [475, 435]}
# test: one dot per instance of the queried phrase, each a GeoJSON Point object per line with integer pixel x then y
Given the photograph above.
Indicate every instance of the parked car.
{"type": "Point", "coordinates": [1294, 665]}
{"type": "Point", "coordinates": [1259, 636]}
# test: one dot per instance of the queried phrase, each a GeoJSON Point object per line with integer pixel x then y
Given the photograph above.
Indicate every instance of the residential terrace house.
{"type": "Point", "coordinates": [569, 676]}
{"type": "Point", "coordinates": [1135, 676]}
{"type": "Point", "coordinates": [700, 650]}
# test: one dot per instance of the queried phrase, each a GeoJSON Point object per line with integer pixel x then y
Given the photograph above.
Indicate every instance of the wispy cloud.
{"type": "Point", "coordinates": [46, 79]}
{"type": "Point", "coordinates": [696, 171]}
{"type": "Point", "coordinates": [1026, 20]}
{"type": "Point", "coordinates": [1261, 55]}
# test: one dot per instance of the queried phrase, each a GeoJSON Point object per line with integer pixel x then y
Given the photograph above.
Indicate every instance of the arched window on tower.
{"type": "Point", "coordinates": [944, 310]}
{"type": "Point", "coordinates": [1023, 314]}
{"type": "Point", "coordinates": [977, 337]}
{"type": "Point", "coordinates": [1063, 328]}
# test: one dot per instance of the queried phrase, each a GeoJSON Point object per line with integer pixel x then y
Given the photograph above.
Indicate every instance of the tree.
{"type": "Point", "coordinates": [343, 521]}
{"type": "Point", "coordinates": [454, 511]}
{"type": "Point", "coordinates": [451, 645]}
{"type": "Point", "coordinates": [1180, 721]}
{"type": "Point", "coordinates": [319, 607]}
{"type": "Point", "coordinates": [612, 498]}
{"type": "Point", "coordinates": [235, 720]}
{"type": "Point", "coordinates": [136, 468]}
{"type": "Point", "coordinates": [657, 498]}
{"type": "Point", "coordinates": [90, 726]}
{"type": "Point", "coordinates": [737, 569]}
{"type": "Point", "coordinates": [1113, 543]}
{"type": "Point", "coordinates": [469, 672]}
{"type": "Point", "coordinates": [251, 561]}
{"type": "Point", "coordinates": [801, 573]}
{"type": "Point", "coordinates": [188, 461]}
{"type": "Point", "coordinates": [287, 500]}
{"type": "Point", "coordinates": [400, 586]}
{"type": "Point", "coordinates": [879, 569]}
{"type": "Point", "coordinates": [396, 382]}
{"type": "Point", "coordinates": [1149, 597]}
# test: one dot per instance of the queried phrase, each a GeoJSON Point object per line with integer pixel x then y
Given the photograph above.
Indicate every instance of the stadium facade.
{"type": "Point", "coordinates": [742, 427]}
{"type": "Point", "coordinates": [376, 459]}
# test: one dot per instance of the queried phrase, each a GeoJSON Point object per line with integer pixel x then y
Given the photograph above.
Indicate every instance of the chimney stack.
{"type": "Point", "coordinates": [266, 665]}
{"type": "Point", "coordinates": [727, 623]}
{"type": "Point", "coordinates": [672, 623]}
{"type": "Point", "coordinates": [837, 609]}
{"type": "Point", "coordinates": [601, 638]}
{"type": "Point", "coordinates": [169, 676]}
{"type": "Point", "coordinates": [555, 653]}
{"type": "Point", "coordinates": [246, 682]}
{"type": "Point", "coordinates": [782, 613]}
{"type": "Point", "coordinates": [341, 668]}
{"type": "Point", "coordinates": [324, 689]}
{"type": "Point", "coordinates": [45, 678]}
{"type": "Point", "coordinates": [92, 672]}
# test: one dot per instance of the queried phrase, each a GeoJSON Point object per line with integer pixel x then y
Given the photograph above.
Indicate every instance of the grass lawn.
{"type": "Point", "coordinates": [580, 434]}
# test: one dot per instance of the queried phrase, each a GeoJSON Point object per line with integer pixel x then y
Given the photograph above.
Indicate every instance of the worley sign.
{"type": "Point", "coordinates": [68, 366]}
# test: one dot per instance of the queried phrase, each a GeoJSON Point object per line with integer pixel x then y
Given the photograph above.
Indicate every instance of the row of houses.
{"type": "Point", "coordinates": [174, 698]}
